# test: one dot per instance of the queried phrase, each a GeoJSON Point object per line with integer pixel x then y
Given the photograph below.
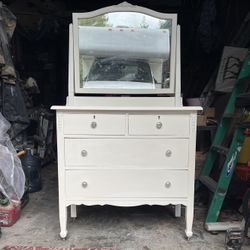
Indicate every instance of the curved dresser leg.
{"type": "Point", "coordinates": [63, 221]}
{"type": "Point", "coordinates": [189, 220]}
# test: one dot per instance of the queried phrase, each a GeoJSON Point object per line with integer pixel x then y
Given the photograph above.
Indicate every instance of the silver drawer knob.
{"type": "Point", "coordinates": [167, 184]}
{"type": "Point", "coordinates": [93, 125]}
{"type": "Point", "coordinates": [84, 184]}
{"type": "Point", "coordinates": [84, 153]}
{"type": "Point", "coordinates": [168, 153]}
{"type": "Point", "coordinates": [159, 125]}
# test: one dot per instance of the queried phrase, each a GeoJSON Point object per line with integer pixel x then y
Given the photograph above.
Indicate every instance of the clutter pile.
{"type": "Point", "coordinates": [12, 179]}
{"type": "Point", "coordinates": [26, 130]}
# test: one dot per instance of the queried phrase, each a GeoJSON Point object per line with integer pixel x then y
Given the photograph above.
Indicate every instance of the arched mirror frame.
{"type": "Point", "coordinates": [124, 7]}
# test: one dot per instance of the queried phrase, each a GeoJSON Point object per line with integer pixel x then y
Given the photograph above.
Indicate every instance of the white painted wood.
{"type": "Point", "coordinates": [178, 99]}
{"type": "Point", "coordinates": [125, 105]}
{"type": "Point", "coordinates": [123, 159]}
{"type": "Point", "coordinates": [126, 8]}
{"type": "Point", "coordinates": [156, 124]}
{"type": "Point", "coordinates": [128, 202]}
{"type": "Point", "coordinates": [71, 91]}
{"type": "Point", "coordinates": [123, 8]}
{"type": "Point", "coordinates": [73, 213]}
{"type": "Point", "coordinates": [95, 124]}
{"type": "Point", "coordinates": [121, 91]}
{"type": "Point", "coordinates": [126, 183]}
{"type": "Point", "coordinates": [191, 152]}
{"type": "Point", "coordinates": [177, 210]}
{"type": "Point", "coordinates": [126, 152]}
{"type": "Point", "coordinates": [125, 170]}
{"type": "Point", "coordinates": [61, 176]}
{"type": "Point", "coordinates": [90, 101]}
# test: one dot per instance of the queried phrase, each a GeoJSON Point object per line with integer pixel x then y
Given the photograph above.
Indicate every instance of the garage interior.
{"type": "Point", "coordinates": [34, 66]}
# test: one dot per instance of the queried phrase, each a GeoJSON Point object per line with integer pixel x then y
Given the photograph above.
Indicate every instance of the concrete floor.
{"type": "Point", "coordinates": [145, 227]}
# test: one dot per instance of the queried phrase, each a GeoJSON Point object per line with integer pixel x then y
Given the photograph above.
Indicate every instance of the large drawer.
{"type": "Point", "coordinates": [166, 153]}
{"type": "Point", "coordinates": [83, 184]}
{"type": "Point", "coordinates": [169, 124]}
{"type": "Point", "coordinates": [94, 124]}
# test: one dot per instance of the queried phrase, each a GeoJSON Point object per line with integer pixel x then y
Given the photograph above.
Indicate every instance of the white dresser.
{"type": "Point", "coordinates": [126, 158]}
{"type": "Point", "coordinates": [125, 150]}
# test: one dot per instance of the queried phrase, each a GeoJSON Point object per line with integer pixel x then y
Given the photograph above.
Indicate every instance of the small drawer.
{"type": "Point", "coordinates": [124, 183]}
{"type": "Point", "coordinates": [144, 153]}
{"type": "Point", "coordinates": [94, 124]}
{"type": "Point", "coordinates": [170, 124]}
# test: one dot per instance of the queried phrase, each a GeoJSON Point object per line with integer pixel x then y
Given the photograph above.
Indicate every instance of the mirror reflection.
{"type": "Point", "coordinates": [124, 50]}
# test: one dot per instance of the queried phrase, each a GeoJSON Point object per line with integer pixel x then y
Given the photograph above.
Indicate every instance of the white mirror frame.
{"type": "Point", "coordinates": [124, 7]}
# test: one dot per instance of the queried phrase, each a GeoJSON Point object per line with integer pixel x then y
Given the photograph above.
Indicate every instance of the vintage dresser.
{"type": "Point", "coordinates": [124, 138]}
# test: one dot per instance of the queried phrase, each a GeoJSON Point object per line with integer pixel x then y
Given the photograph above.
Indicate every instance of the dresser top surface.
{"type": "Point", "coordinates": [125, 108]}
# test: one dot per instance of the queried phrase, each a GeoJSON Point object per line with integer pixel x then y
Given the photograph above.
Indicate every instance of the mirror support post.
{"type": "Point", "coordinates": [178, 99]}
{"type": "Point", "coordinates": [71, 91]}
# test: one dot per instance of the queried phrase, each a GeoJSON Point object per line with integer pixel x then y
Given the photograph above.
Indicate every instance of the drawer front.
{"type": "Point", "coordinates": [94, 124]}
{"type": "Point", "coordinates": [171, 124]}
{"type": "Point", "coordinates": [81, 184]}
{"type": "Point", "coordinates": [168, 153]}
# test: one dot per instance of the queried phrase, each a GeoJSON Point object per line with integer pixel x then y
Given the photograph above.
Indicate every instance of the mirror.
{"type": "Point", "coordinates": [124, 51]}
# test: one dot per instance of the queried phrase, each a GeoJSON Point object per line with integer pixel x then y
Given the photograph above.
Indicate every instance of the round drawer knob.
{"type": "Point", "coordinates": [84, 184]}
{"type": "Point", "coordinates": [93, 124]}
{"type": "Point", "coordinates": [84, 153]}
{"type": "Point", "coordinates": [167, 184]}
{"type": "Point", "coordinates": [159, 125]}
{"type": "Point", "coordinates": [168, 153]}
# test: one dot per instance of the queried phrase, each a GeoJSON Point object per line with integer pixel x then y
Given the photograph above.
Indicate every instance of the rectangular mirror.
{"type": "Point", "coordinates": [123, 53]}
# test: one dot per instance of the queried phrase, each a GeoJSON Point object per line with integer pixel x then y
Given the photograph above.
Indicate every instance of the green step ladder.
{"type": "Point", "coordinates": [230, 151]}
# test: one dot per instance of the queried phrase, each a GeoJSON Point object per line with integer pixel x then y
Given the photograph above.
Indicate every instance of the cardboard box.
{"type": "Point", "coordinates": [230, 65]}
{"type": "Point", "coordinates": [210, 112]}
{"type": "Point", "coordinates": [201, 120]}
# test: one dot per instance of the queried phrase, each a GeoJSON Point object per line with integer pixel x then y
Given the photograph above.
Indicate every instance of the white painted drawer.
{"type": "Point", "coordinates": [166, 153]}
{"type": "Point", "coordinates": [170, 124]}
{"type": "Point", "coordinates": [94, 124]}
{"type": "Point", "coordinates": [83, 184]}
